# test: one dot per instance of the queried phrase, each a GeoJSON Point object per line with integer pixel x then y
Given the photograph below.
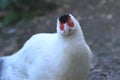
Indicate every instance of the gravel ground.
{"type": "Point", "coordinates": [100, 23]}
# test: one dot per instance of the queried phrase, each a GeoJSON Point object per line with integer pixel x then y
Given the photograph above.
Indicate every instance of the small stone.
{"type": "Point", "coordinates": [109, 16]}
{"type": "Point", "coordinates": [11, 31]}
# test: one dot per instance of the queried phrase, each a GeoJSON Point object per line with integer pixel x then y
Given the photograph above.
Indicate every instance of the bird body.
{"type": "Point", "coordinates": [57, 56]}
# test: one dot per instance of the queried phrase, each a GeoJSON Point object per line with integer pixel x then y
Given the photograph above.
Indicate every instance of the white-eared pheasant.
{"type": "Point", "coordinates": [63, 55]}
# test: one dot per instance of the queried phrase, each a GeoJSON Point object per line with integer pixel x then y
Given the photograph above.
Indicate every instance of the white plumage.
{"type": "Point", "coordinates": [59, 56]}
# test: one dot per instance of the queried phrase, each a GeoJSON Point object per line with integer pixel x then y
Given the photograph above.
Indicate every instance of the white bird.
{"type": "Point", "coordinates": [51, 56]}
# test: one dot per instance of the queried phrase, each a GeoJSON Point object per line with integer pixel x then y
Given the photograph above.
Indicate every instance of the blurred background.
{"type": "Point", "coordinates": [99, 19]}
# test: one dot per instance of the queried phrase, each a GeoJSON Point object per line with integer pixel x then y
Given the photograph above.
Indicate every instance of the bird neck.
{"type": "Point", "coordinates": [75, 37]}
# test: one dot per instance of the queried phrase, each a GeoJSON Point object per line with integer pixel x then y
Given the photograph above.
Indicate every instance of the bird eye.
{"type": "Point", "coordinates": [70, 22]}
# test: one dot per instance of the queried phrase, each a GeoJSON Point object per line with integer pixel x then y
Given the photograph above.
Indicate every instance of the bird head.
{"type": "Point", "coordinates": [67, 25]}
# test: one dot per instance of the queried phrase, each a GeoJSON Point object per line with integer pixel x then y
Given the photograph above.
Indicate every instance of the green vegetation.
{"type": "Point", "coordinates": [24, 9]}
{"type": "Point", "coordinates": [5, 3]}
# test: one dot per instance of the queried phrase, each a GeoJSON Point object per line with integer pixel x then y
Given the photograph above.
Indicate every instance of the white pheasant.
{"type": "Point", "coordinates": [59, 56]}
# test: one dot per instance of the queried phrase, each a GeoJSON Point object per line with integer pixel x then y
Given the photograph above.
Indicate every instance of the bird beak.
{"type": "Point", "coordinates": [66, 29]}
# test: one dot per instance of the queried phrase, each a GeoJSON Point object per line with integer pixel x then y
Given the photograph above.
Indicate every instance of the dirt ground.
{"type": "Point", "coordinates": [100, 21]}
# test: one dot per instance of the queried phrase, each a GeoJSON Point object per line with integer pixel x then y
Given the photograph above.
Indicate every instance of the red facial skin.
{"type": "Point", "coordinates": [61, 26]}
{"type": "Point", "coordinates": [69, 23]}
